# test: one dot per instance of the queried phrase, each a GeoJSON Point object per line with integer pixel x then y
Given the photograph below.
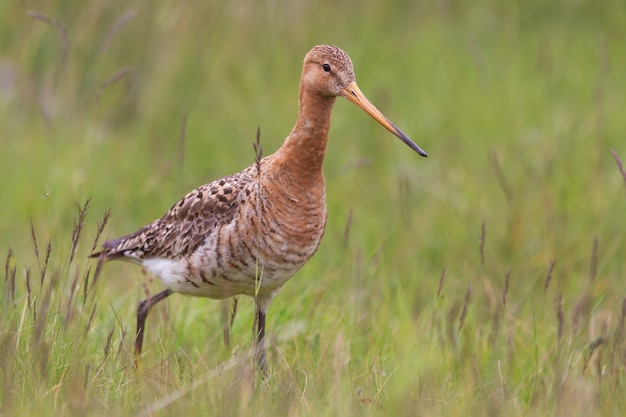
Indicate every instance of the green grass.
{"type": "Point", "coordinates": [406, 309]}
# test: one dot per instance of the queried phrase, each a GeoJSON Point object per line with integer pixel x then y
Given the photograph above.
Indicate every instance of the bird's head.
{"type": "Point", "coordinates": [328, 71]}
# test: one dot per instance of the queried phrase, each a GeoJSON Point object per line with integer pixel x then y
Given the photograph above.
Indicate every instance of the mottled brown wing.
{"type": "Point", "coordinates": [185, 226]}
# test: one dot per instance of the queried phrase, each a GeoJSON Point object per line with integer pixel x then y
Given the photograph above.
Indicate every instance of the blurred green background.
{"type": "Point", "coordinates": [518, 104]}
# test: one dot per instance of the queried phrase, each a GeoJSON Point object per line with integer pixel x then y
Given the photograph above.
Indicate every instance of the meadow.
{"type": "Point", "coordinates": [487, 279]}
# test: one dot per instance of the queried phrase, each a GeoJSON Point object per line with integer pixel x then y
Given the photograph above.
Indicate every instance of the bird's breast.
{"type": "Point", "coordinates": [274, 233]}
{"type": "Point", "coordinates": [283, 227]}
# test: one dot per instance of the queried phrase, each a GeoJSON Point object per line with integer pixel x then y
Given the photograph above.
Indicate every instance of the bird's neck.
{"type": "Point", "coordinates": [304, 149]}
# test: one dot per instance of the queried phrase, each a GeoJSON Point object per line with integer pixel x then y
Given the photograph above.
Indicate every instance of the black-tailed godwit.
{"type": "Point", "coordinates": [248, 233]}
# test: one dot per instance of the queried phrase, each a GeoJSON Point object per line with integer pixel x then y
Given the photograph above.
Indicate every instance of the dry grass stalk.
{"type": "Point", "coordinates": [93, 312]}
{"type": "Point", "coordinates": [107, 344]}
{"type": "Point", "coordinates": [546, 282]}
{"type": "Point", "coordinates": [504, 184]}
{"type": "Point", "coordinates": [112, 80]}
{"type": "Point", "coordinates": [101, 225]}
{"type": "Point", "coordinates": [33, 237]}
{"type": "Point", "coordinates": [9, 276]}
{"type": "Point", "coordinates": [505, 291]}
{"type": "Point", "coordinates": [78, 228]}
{"type": "Point", "coordinates": [560, 317]}
{"type": "Point", "coordinates": [620, 166]}
{"type": "Point", "coordinates": [62, 29]}
{"type": "Point", "coordinates": [465, 305]}
{"type": "Point", "coordinates": [442, 278]}
{"type": "Point", "coordinates": [28, 289]}
{"type": "Point", "coordinates": [118, 26]}
{"type": "Point", "coordinates": [73, 287]}
{"type": "Point", "coordinates": [43, 267]}
{"type": "Point", "coordinates": [346, 230]}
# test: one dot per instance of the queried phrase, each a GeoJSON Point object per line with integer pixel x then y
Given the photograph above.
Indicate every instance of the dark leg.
{"type": "Point", "coordinates": [259, 348]}
{"type": "Point", "coordinates": [142, 313]}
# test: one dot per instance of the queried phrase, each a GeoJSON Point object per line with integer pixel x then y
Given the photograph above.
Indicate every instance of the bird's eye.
{"type": "Point", "coordinates": [326, 67]}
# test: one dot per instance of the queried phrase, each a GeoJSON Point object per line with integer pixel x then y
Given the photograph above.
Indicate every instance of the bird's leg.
{"type": "Point", "coordinates": [259, 345]}
{"type": "Point", "coordinates": [142, 313]}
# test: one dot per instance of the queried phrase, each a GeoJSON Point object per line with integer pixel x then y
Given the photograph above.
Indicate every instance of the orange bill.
{"type": "Point", "coordinates": [354, 94]}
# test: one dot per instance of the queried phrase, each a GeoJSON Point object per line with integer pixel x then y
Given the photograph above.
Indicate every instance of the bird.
{"type": "Point", "coordinates": [250, 232]}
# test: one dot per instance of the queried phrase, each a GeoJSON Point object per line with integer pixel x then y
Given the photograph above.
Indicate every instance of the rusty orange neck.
{"type": "Point", "coordinates": [304, 149]}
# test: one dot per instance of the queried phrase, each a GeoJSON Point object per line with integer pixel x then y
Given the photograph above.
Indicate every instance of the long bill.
{"type": "Point", "coordinates": [354, 94]}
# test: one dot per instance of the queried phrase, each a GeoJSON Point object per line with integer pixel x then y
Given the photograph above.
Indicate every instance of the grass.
{"type": "Point", "coordinates": [488, 279]}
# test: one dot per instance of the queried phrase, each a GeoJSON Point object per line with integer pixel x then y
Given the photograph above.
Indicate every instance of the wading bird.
{"type": "Point", "coordinates": [248, 233]}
